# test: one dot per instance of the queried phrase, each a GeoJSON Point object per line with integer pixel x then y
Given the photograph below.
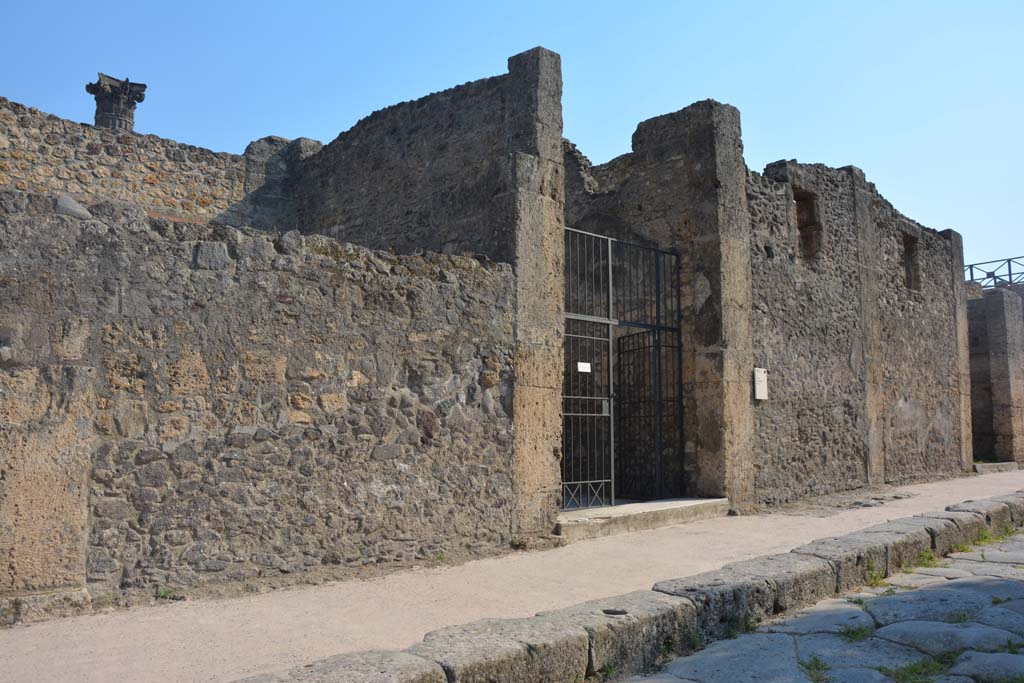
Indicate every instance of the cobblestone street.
{"type": "Point", "coordinates": [953, 620]}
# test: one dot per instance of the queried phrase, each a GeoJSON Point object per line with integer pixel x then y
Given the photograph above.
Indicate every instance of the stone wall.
{"type": "Point", "coordinates": [996, 331]}
{"type": "Point", "coordinates": [40, 152]}
{"type": "Point", "coordinates": [800, 271]}
{"type": "Point", "coordinates": [438, 173]}
{"type": "Point", "coordinates": [865, 359]}
{"type": "Point", "coordinates": [185, 403]}
{"type": "Point", "coordinates": [808, 325]}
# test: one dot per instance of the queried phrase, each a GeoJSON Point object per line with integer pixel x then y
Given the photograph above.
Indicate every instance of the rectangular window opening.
{"type": "Point", "coordinates": [807, 222]}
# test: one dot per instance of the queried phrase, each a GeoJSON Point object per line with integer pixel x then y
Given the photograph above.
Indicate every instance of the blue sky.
{"type": "Point", "coordinates": [926, 97]}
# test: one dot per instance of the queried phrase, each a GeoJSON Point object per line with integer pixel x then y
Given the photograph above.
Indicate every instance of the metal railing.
{"type": "Point", "coordinates": [992, 274]}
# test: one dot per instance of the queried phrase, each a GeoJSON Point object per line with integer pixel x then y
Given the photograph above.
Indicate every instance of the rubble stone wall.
{"type": "Point", "coordinates": [868, 371]}
{"type": "Point", "coordinates": [186, 403]}
{"type": "Point", "coordinates": [40, 152]}
{"type": "Point", "coordinates": [864, 364]}
{"type": "Point", "coordinates": [438, 173]}
{"type": "Point", "coordinates": [807, 321]}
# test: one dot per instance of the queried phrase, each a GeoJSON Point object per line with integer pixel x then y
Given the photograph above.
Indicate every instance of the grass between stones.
{"type": "Point", "coordinates": [855, 634]}
{"type": "Point", "coordinates": [816, 669]}
{"type": "Point", "coordinates": [875, 576]}
{"type": "Point", "coordinates": [927, 558]}
{"type": "Point", "coordinates": [922, 671]}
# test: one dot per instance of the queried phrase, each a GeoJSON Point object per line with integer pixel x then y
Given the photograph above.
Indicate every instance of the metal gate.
{"type": "Point", "coordinates": [621, 395]}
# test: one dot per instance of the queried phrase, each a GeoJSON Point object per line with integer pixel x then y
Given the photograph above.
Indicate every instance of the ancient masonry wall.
{"type": "Point", "coordinates": [867, 371]}
{"type": "Point", "coordinates": [40, 152]}
{"type": "Point", "coordinates": [474, 169]}
{"type": "Point", "coordinates": [188, 403]}
{"type": "Point", "coordinates": [996, 332]}
{"type": "Point", "coordinates": [856, 311]}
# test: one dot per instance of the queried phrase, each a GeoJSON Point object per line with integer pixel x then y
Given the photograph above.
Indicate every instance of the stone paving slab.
{"type": "Point", "coordinates": [844, 653]}
{"type": "Point", "coordinates": [936, 638]}
{"type": "Point", "coordinates": [915, 580]}
{"type": "Point", "coordinates": [828, 616]}
{"type": "Point", "coordinates": [991, 668]}
{"type": "Point", "coordinates": [758, 658]}
{"type": "Point", "coordinates": [964, 626]}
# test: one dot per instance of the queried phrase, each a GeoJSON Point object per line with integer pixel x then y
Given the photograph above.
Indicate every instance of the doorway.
{"type": "Point", "coordinates": [622, 431]}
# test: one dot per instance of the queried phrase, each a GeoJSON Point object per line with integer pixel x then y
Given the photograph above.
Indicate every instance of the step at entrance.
{"type": "Point", "coordinates": [577, 525]}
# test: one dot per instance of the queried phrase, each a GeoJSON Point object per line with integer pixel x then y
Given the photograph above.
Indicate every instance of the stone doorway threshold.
{"type": "Point", "coordinates": [577, 525]}
{"type": "Point", "coordinates": [993, 467]}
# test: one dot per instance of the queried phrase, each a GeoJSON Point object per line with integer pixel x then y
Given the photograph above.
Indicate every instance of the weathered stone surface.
{"type": "Point", "coordinates": [990, 668]}
{"type": "Point", "coordinates": [1014, 501]}
{"type": "Point", "coordinates": [944, 572]}
{"type": "Point", "coordinates": [361, 667]}
{"type": "Point", "coordinates": [857, 676]}
{"type": "Point", "coordinates": [914, 580]}
{"type": "Point", "coordinates": [944, 533]}
{"type": "Point", "coordinates": [994, 569]}
{"type": "Point", "coordinates": [968, 524]}
{"type": "Point", "coordinates": [955, 599]}
{"type": "Point", "coordinates": [756, 658]}
{"type": "Point", "coordinates": [728, 599]}
{"type": "Point", "coordinates": [212, 256]}
{"type": "Point", "coordinates": [840, 653]}
{"type": "Point", "coordinates": [904, 543]}
{"type": "Point", "coordinates": [997, 515]}
{"type": "Point", "coordinates": [66, 204]}
{"type": "Point", "coordinates": [936, 638]}
{"type": "Point", "coordinates": [1006, 616]}
{"type": "Point", "coordinates": [176, 423]}
{"type": "Point", "coordinates": [632, 633]}
{"type": "Point", "coordinates": [991, 555]}
{"type": "Point", "coordinates": [27, 609]}
{"type": "Point", "coordinates": [828, 616]}
{"type": "Point", "coordinates": [512, 650]}
{"type": "Point", "coordinates": [997, 377]}
{"type": "Point", "coordinates": [853, 557]}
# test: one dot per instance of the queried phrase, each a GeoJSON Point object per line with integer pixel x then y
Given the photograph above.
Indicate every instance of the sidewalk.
{"type": "Point", "coordinates": [220, 640]}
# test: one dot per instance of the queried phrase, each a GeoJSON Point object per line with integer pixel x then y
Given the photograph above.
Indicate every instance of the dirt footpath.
{"type": "Point", "coordinates": [220, 640]}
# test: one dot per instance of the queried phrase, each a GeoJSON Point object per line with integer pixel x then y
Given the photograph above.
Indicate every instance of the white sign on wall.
{"type": "Point", "coordinates": [583, 367]}
{"type": "Point", "coordinates": [760, 384]}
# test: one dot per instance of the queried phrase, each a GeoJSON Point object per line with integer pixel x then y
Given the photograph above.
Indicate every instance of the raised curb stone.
{"type": "Point", "coordinates": [997, 515]}
{"type": "Point", "coordinates": [361, 667]}
{"type": "Point", "coordinates": [631, 633]}
{"type": "Point", "coordinates": [729, 598]}
{"type": "Point", "coordinates": [851, 557]}
{"type": "Point", "coordinates": [509, 650]}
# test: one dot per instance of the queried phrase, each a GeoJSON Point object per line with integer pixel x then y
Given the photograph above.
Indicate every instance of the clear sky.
{"type": "Point", "coordinates": [926, 97]}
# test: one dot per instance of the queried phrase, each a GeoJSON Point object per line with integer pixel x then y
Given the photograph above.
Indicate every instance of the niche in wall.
{"type": "Point", "coordinates": [911, 263]}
